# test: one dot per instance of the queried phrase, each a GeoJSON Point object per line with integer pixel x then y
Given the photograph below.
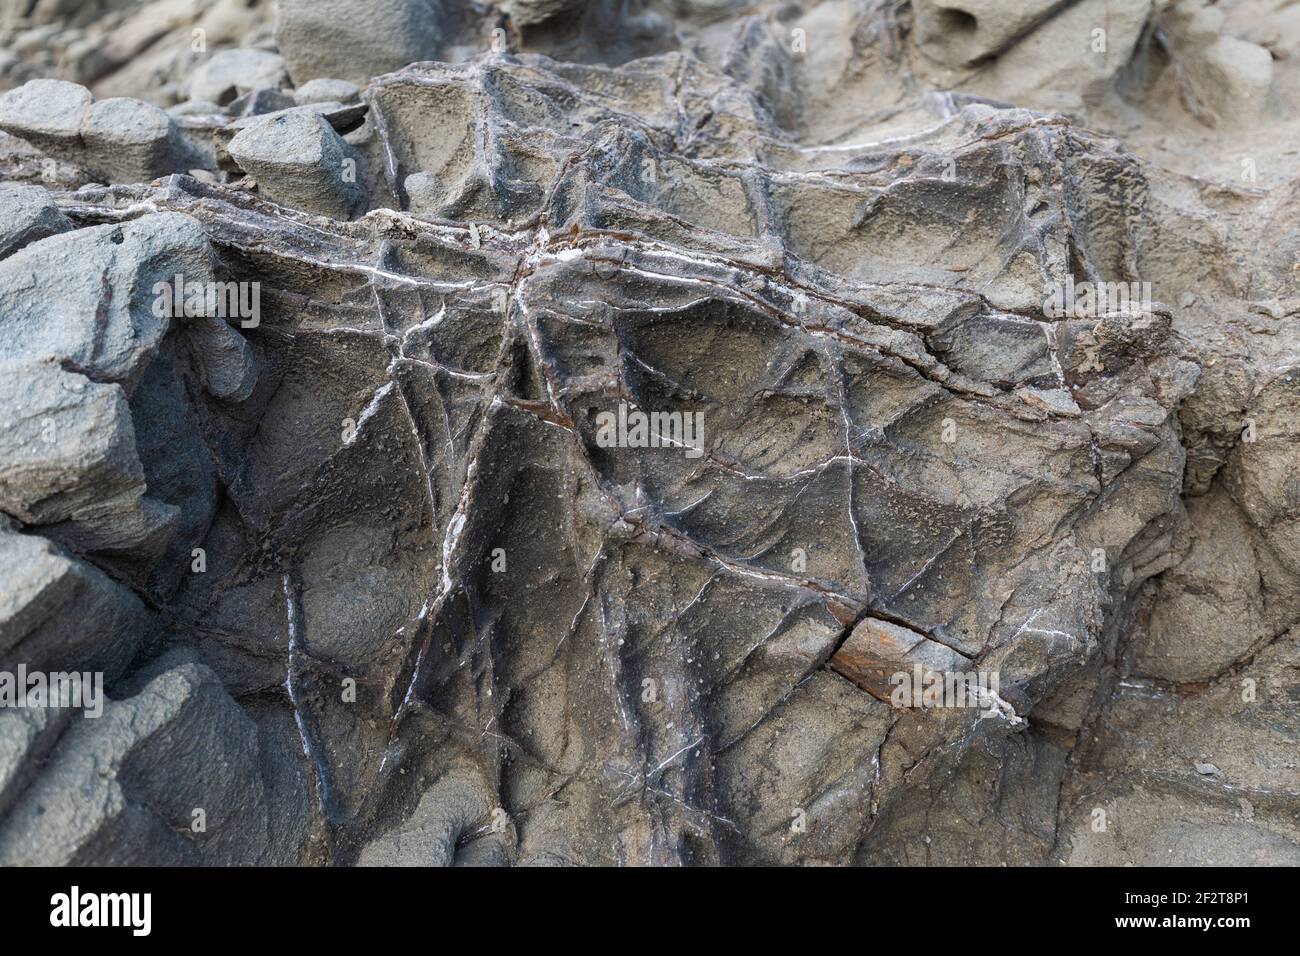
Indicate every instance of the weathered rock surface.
{"type": "Point", "coordinates": [29, 214]}
{"type": "Point", "coordinates": [117, 140]}
{"type": "Point", "coordinates": [392, 571]}
{"type": "Point", "coordinates": [134, 785]}
{"type": "Point", "coordinates": [335, 39]}
{"type": "Point", "coordinates": [232, 73]}
{"type": "Point", "coordinates": [326, 91]}
{"type": "Point", "coordinates": [299, 160]}
{"type": "Point", "coordinates": [89, 299]}
{"type": "Point", "coordinates": [59, 613]}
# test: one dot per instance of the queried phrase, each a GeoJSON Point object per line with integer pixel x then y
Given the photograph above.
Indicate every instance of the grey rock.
{"type": "Point", "coordinates": [442, 831]}
{"type": "Point", "coordinates": [62, 613]}
{"type": "Point", "coordinates": [229, 74]}
{"type": "Point", "coordinates": [261, 101]}
{"type": "Point", "coordinates": [1222, 79]}
{"type": "Point", "coordinates": [69, 461]}
{"type": "Point", "coordinates": [48, 113]}
{"type": "Point", "coordinates": [829, 237]}
{"type": "Point", "coordinates": [194, 108]}
{"type": "Point", "coordinates": [329, 39]}
{"type": "Point", "coordinates": [29, 214]}
{"type": "Point", "coordinates": [72, 447]}
{"type": "Point", "coordinates": [119, 139]}
{"type": "Point", "coordinates": [129, 140]}
{"type": "Point", "coordinates": [299, 160]}
{"type": "Point", "coordinates": [224, 359]}
{"type": "Point", "coordinates": [125, 789]}
{"type": "Point", "coordinates": [963, 32]}
{"type": "Point", "coordinates": [1235, 77]}
{"type": "Point", "coordinates": [425, 195]}
{"type": "Point", "coordinates": [26, 736]}
{"type": "Point", "coordinates": [530, 12]}
{"type": "Point", "coordinates": [91, 297]}
{"type": "Point", "coordinates": [324, 90]}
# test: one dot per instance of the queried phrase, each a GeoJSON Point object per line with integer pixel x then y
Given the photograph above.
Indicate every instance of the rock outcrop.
{"type": "Point", "coordinates": [653, 433]}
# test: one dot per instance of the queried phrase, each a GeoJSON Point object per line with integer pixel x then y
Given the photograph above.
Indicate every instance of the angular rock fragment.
{"type": "Point", "coordinates": [26, 736]}
{"type": "Point", "coordinates": [47, 113]}
{"type": "Point", "coordinates": [29, 215]}
{"type": "Point", "coordinates": [964, 32]}
{"type": "Point", "coordinates": [129, 786]}
{"type": "Point", "coordinates": [530, 12]}
{"type": "Point", "coordinates": [229, 74]}
{"type": "Point", "coordinates": [69, 461]}
{"type": "Point", "coordinates": [96, 299]}
{"type": "Point", "coordinates": [261, 101]}
{"type": "Point", "coordinates": [329, 39]}
{"type": "Point", "coordinates": [129, 141]}
{"type": "Point", "coordinates": [61, 613]}
{"type": "Point", "coordinates": [299, 160]}
{"type": "Point", "coordinates": [325, 90]}
{"type": "Point", "coordinates": [1223, 79]}
{"type": "Point", "coordinates": [453, 825]}
{"type": "Point", "coordinates": [118, 139]}
{"type": "Point", "coordinates": [224, 359]}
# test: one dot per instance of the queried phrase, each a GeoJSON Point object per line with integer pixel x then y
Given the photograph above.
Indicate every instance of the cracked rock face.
{"type": "Point", "coordinates": [652, 433]}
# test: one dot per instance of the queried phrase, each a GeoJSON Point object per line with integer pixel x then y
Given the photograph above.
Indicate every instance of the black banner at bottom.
{"type": "Point", "coordinates": [338, 906]}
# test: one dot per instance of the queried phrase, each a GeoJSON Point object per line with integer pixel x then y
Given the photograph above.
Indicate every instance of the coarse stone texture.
{"type": "Point", "coordinates": [232, 73]}
{"type": "Point", "coordinates": [116, 140]}
{"type": "Point", "coordinates": [641, 398]}
{"type": "Point", "coordinates": [299, 160]}
{"type": "Point", "coordinates": [326, 91]}
{"type": "Point", "coordinates": [337, 39]}
{"type": "Point", "coordinates": [123, 789]}
{"type": "Point", "coordinates": [28, 213]}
